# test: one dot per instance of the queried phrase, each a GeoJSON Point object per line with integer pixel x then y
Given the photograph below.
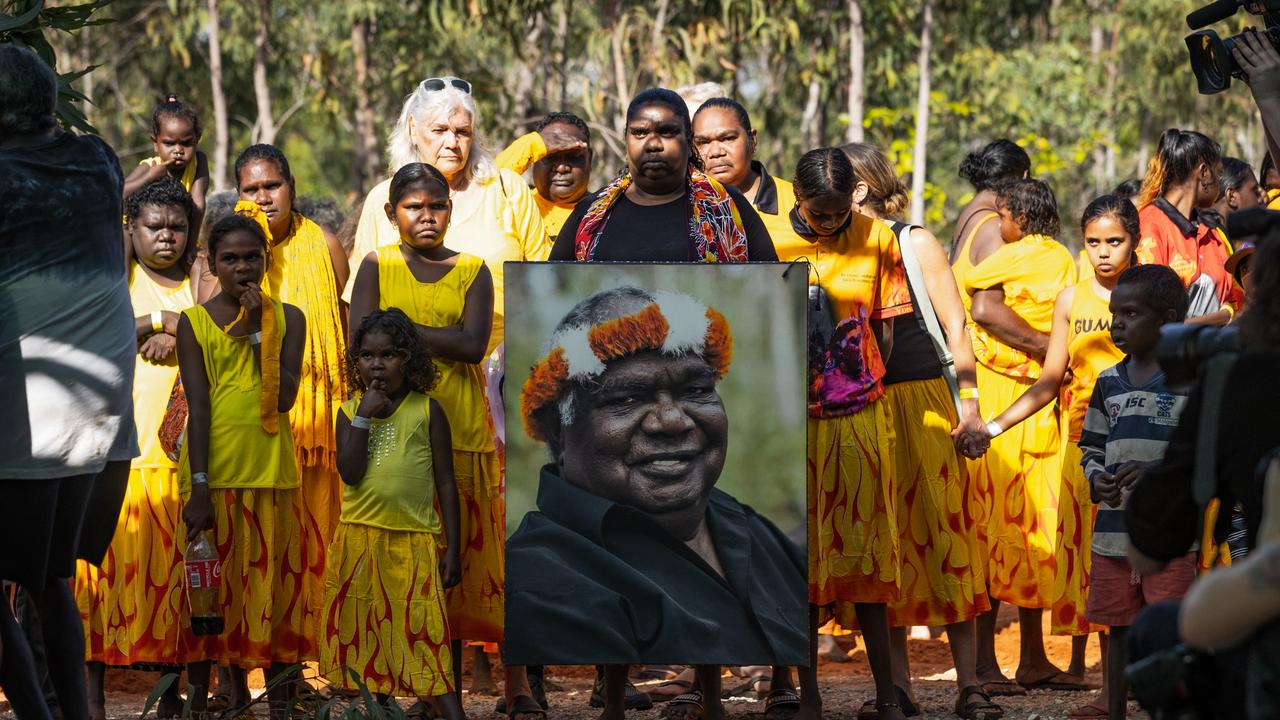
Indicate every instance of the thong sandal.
{"type": "Point", "coordinates": [1060, 680]}
{"type": "Point", "coordinates": [524, 705]}
{"type": "Point", "coordinates": [1090, 711]}
{"type": "Point", "coordinates": [685, 686]}
{"type": "Point", "coordinates": [778, 702]}
{"type": "Point", "coordinates": [871, 711]}
{"type": "Point", "coordinates": [1003, 688]}
{"type": "Point", "coordinates": [689, 698]}
{"type": "Point", "coordinates": [982, 709]}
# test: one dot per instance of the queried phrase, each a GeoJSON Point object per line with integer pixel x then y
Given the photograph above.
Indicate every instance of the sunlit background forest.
{"type": "Point", "coordinates": [1085, 85]}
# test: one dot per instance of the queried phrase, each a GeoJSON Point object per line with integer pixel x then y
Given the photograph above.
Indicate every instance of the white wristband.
{"type": "Point", "coordinates": [994, 428]}
{"type": "Point", "coordinates": [255, 338]}
{"type": "Point", "coordinates": [200, 478]}
{"type": "Point", "coordinates": [363, 423]}
{"type": "Point", "coordinates": [157, 321]}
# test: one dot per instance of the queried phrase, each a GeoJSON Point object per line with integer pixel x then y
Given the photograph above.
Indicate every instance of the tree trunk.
{"type": "Point", "coordinates": [857, 80]}
{"type": "Point", "coordinates": [266, 122]}
{"type": "Point", "coordinates": [809, 130]}
{"type": "Point", "coordinates": [919, 164]}
{"type": "Point", "coordinates": [621, 94]}
{"type": "Point", "coordinates": [560, 52]}
{"type": "Point", "coordinates": [366, 145]}
{"type": "Point", "coordinates": [221, 140]}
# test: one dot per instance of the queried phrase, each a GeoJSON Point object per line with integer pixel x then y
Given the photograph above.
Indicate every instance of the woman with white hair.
{"type": "Point", "coordinates": [495, 217]}
{"type": "Point", "coordinates": [494, 213]}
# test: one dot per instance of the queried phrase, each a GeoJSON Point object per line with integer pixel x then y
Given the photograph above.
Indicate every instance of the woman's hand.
{"type": "Point", "coordinates": [158, 347]}
{"type": "Point", "coordinates": [971, 437]}
{"type": "Point", "coordinates": [450, 568]}
{"type": "Point", "coordinates": [198, 512]}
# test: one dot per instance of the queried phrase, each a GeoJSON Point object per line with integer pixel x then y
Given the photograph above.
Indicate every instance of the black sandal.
{"type": "Point", "coordinates": [524, 705]}
{"type": "Point", "coordinates": [982, 709]}
{"type": "Point", "coordinates": [781, 700]}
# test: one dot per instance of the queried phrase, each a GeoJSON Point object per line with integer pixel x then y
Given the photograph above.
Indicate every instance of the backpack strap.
{"type": "Point", "coordinates": [915, 278]}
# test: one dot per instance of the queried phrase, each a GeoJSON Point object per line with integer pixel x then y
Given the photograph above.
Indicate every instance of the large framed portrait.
{"type": "Point", "coordinates": [655, 484]}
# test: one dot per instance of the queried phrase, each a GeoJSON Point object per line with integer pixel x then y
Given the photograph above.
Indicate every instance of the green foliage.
{"type": "Point", "coordinates": [25, 21]}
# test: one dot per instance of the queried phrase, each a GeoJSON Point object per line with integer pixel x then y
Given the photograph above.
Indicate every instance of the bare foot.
{"type": "Point", "coordinates": [482, 674]}
{"type": "Point", "coordinates": [709, 709]}
{"type": "Point", "coordinates": [830, 650]}
{"type": "Point", "coordinates": [678, 685]}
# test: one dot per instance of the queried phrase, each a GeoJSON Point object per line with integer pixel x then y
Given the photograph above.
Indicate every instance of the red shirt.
{"type": "Point", "coordinates": [1190, 249]}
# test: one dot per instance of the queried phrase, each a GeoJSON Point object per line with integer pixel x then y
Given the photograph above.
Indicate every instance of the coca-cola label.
{"type": "Point", "coordinates": [203, 573]}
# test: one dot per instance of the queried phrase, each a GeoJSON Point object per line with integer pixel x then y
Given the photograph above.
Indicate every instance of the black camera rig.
{"type": "Point", "coordinates": [1211, 58]}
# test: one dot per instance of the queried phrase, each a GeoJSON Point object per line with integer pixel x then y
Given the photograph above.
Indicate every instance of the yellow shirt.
{"type": "Point", "coordinates": [504, 225]}
{"type": "Point", "coordinates": [961, 267]}
{"type": "Point", "coordinates": [1032, 271]}
{"type": "Point", "coordinates": [398, 490]}
{"type": "Point", "coordinates": [241, 453]}
{"type": "Point", "coordinates": [779, 224]}
{"type": "Point", "coordinates": [1273, 199]}
{"type": "Point", "coordinates": [153, 381]}
{"type": "Point", "coordinates": [861, 271]}
{"type": "Point", "coordinates": [460, 388]}
{"type": "Point", "coordinates": [1089, 352]}
{"type": "Point", "coordinates": [522, 153]}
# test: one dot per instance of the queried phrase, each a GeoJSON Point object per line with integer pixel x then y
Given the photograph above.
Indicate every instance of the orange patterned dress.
{"type": "Point", "coordinates": [853, 529]}
{"type": "Point", "coordinates": [1090, 351]}
{"type": "Point", "coordinates": [1016, 484]}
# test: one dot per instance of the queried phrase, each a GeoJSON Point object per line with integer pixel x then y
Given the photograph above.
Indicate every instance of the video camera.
{"type": "Point", "coordinates": [1211, 59]}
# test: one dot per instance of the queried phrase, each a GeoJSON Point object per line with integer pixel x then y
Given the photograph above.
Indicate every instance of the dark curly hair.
{"type": "Point", "coordinates": [419, 372]}
{"type": "Point", "coordinates": [235, 223]}
{"type": "Point", "coordinates": [165, 192]}
{"type": "Point", "coordinates": [1032, 204]}
{"type": "Point", "coordinates": [1260, 323]}
{"type": "Point", "coordinates": [175, 108]}
{"type": "Point", "coordinates": [566, 118]}
{"type": "Point", "coordinates": [1160, 288]}
{"type": "Point", "coordinates": [998, 162]}
{"type": "Point", "coordinates": [1118, 207]}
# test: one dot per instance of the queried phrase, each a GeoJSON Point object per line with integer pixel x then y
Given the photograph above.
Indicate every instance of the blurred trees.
{"type": "Point", "coordinates": [1085, 85]}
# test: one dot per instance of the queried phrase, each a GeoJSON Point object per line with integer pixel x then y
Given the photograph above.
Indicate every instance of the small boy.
{"type": "Point", "coordinates": [1131, 416]}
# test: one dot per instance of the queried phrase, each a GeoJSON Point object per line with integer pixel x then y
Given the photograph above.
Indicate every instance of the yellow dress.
{"type": "Point", "coordinates": [1090, 351]}
{"type": "Point", "coordinates": [853, 532]}
{"type": "Point", "coordinates": [504, 225]}
{"type": "Point", "coordinates": [943, 566]}
{"type": "Point", "coordinates": [253, 483]}
{"type": "Point", "coordinates": [301, 274]}
{"type": "Point", "coordinates": [384, 604]}
{"type": "Point", "coordinates": [1016, 483]}
{"type": "Point", "coordinates": [475, 604]}
{"type": "Point", "coordinates": [131, 604]}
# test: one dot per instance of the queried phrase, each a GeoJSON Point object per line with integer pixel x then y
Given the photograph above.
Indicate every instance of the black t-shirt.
{"type": "Point", "coordinates": [914, 356]}
{"type": "Point", "coordinates": [656, 233]}
{"type": "Point", "coordinates": [1161, 514]}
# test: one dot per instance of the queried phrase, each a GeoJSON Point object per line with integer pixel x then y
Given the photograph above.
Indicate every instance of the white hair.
{"type": "Point", "coordinates": [424, 105]}
{"type": "Point", "coordinates": [695, 95]}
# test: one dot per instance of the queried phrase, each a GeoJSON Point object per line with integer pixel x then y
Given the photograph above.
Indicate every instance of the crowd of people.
{"type": "Point", "coordinates": [237, 374]}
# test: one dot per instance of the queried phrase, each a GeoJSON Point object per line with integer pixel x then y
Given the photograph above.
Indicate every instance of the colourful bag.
{"type": "Point", "coordinates": [173, 428]}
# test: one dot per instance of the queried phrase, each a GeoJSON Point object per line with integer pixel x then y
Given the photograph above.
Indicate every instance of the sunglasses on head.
{"type": "Point", "coordinates": [437, 84]}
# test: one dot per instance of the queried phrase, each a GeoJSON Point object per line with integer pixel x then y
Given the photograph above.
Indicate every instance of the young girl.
{"type": "Point", "coordinates": [1080, 347]}
{"type": "Point", "coordinates": [384, 594]}
{"type": "Point", "coordinates": [1015, 485]}
{"type": "Point", "coordinates": [131, 604]}
{"type": "Point", "coordinates": [240, 356]}
{"type": "Point", "coordinates": [175, 133]}
{"type": "Point", "coordinates": [854, 561]}
{"type": "Point", "coordinates": [449, 297]}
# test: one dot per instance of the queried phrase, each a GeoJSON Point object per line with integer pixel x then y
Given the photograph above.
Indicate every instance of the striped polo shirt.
{"type": "Point", "coordinates": [1124, 422]}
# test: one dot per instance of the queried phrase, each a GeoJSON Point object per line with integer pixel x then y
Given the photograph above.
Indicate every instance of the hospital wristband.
{"type": "Point", "coordinates": [157, 321]}
{"type": "Point", "coordinates": [994, 428]}
{"type": "Point", "coordinates": [363, 423]}
{"type": "Point", "coordinates": [969, 393]}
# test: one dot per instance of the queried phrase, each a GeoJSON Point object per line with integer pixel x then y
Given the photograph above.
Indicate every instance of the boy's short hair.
{"type": "Point", "coordinates": [1032, 204]}
{"type": "Point", "coordinates": [1162, 289]}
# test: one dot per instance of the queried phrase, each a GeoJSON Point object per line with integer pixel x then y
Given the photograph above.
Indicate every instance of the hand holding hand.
{"type": "Point", "coordinates": [1106, 489]}
{"type": "Point", "coordinates": [971, 438]}
{"type": "Point", "coordinates": [158, 347]}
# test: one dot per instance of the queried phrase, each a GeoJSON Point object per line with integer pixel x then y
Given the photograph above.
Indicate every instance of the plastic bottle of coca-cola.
{"type": "Point", "coordinates": [204, 575]}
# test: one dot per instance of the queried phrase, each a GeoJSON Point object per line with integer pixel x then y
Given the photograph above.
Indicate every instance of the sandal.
{"type": "Point", "coordinates": [218, 702]}
{"type": "Point", "coordinates": [748, 685]}
{"type": "Point", "coordinates": [871, 711]}
{"type": "Point", "coordinates": [982, 709]}
{"type": "Point", "coordinates": [689, 698]}
{"type": "Point", "coordinates": [524, 705]}
{"type": "Point", "coordinates": [1090, 711]}
{"type": "Point", "coordinates": [632, 700]}
{"type": "Point", "coordinates": [1002, 688]}
{"type": "Point", "coordinates": [686, 686]}
{"type": "Point", "coordinates": [778, 702]}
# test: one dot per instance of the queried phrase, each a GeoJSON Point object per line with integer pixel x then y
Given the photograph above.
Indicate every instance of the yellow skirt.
{"type": "Point", "coordinates": [1014, 499]}
{"type": "Point", "coordinates": [256, 534]}
{"type": "Point", "coordinates": [853, 529]}
{"type": "Point", "coordinates": [475, 605]}
{"type": "Point", "coordinates": [384, 613]}
{"type": "Point", "coordinates": [320, 491]}
{"type": "Point", "coordinates": [131, 604]}
{"type": "Point", "coordinates": [942, 578]}
{"type": "Point", "coordinates": [1076, 514]}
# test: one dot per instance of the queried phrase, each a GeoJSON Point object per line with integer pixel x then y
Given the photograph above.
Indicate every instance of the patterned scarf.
{"type": "Point", "coordinates": [715, 226]}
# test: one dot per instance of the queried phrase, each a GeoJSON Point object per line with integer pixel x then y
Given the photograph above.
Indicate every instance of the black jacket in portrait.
{"type": "Point", "coordinates": [591, 581]}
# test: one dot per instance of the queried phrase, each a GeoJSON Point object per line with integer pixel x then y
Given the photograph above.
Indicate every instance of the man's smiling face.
{"type": "Point", "coordinates": [650, 432]}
